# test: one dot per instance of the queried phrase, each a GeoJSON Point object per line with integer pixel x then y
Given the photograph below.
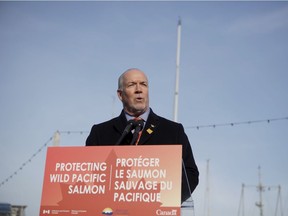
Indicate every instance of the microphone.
{"type": "Point", "coordinates": [128, 128]}
{"type": "Point", "coordinates": [138, 127]}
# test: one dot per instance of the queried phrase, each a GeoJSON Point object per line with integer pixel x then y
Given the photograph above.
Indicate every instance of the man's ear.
{"type": "Point", "coordinates": [119, 93]}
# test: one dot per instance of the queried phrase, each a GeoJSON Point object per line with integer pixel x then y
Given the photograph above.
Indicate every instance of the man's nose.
{"type": "Point", "coordinates": [138, 88]}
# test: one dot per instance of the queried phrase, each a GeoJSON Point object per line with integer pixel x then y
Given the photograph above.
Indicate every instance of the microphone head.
{"type": "Point", "coordinates": [131, 122]}
{"type": "Point", "coordinates": [134, 123]}
{"type": "Point", "coordinates": [139, 123]}
{"type": "Point", "coordinates": [130, 126]}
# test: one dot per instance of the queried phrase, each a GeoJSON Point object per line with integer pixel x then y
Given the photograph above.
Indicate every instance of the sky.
{"type": "Point", "coordinates": [59, 65]}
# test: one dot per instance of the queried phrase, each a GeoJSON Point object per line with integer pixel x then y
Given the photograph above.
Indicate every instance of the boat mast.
{"type": "Point", "coordinates": [207, 192]}
{"type": "Point", "coordinates": [260, 188]}
{"type": "Point", "coordinates": [177, 70]}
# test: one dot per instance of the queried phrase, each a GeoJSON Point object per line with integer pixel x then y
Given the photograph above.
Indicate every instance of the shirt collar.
{"type": "Point", "coordinates": [144, 116]}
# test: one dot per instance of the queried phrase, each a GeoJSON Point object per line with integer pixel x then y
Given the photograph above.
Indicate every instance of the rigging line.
{"type": "Point", "coordinates": [70, 132]}
{"type": "Point", "coordinates": [236, 123]}
{"type": "Point", "coordinates": [35, 154]}
{"type": "Point", "coordinates": [81, 132]}
{"type": "Point", "coordinates": [25, 163]}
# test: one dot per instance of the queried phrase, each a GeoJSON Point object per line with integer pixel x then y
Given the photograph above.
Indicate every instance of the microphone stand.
{"type": "Point", "coordinates": [128, 128]}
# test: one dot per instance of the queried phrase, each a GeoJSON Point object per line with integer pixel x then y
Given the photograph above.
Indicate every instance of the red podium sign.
{"type": "Point", "coordinates": [112, 180]}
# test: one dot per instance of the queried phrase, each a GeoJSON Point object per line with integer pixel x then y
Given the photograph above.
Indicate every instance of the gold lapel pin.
{"type": "Point", "coordinates": [149, 131]}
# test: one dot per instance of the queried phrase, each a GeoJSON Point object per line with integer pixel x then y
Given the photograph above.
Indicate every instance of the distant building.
{"type": "Point", "coordinates": [7, 209]}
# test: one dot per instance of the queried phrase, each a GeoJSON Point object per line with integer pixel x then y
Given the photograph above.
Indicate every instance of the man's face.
{"type": "Point", "coordinates": [134, 93]}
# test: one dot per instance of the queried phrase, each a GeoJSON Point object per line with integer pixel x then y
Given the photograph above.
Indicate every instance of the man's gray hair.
{"type": "Point", "coordinates": [121, 78]}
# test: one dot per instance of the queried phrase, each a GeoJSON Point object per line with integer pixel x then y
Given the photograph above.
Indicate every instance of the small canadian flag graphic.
{"type": "Point", "coordinates": [46, 211]}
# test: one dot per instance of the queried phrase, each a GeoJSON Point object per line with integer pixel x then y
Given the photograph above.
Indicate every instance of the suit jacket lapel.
{"type": "Point", "coordinates": [150, 127]}
{"type": "Point", "coordinates": [120, 123]}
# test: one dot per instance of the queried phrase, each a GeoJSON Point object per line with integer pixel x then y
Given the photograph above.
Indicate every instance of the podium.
{"type": "Point", "coordinates": [112, 180]}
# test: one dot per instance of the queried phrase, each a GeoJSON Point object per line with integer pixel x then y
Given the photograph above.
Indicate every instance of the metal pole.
{"type": "Point", "coordinates": [56, 138]}
{"type": "Point", "coordinates": [261, 189]}
{"type": "Point", "coordinates": [207, 193]}
{"type": "Point", "coordinates": [177, 70]}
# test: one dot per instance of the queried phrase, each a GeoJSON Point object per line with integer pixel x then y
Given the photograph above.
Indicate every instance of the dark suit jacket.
{"type": "Point", "coordinates": [164, 132]}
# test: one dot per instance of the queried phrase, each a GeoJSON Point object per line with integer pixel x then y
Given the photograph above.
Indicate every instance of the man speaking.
{"type": "Point", "coordinates": [139, 125]}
